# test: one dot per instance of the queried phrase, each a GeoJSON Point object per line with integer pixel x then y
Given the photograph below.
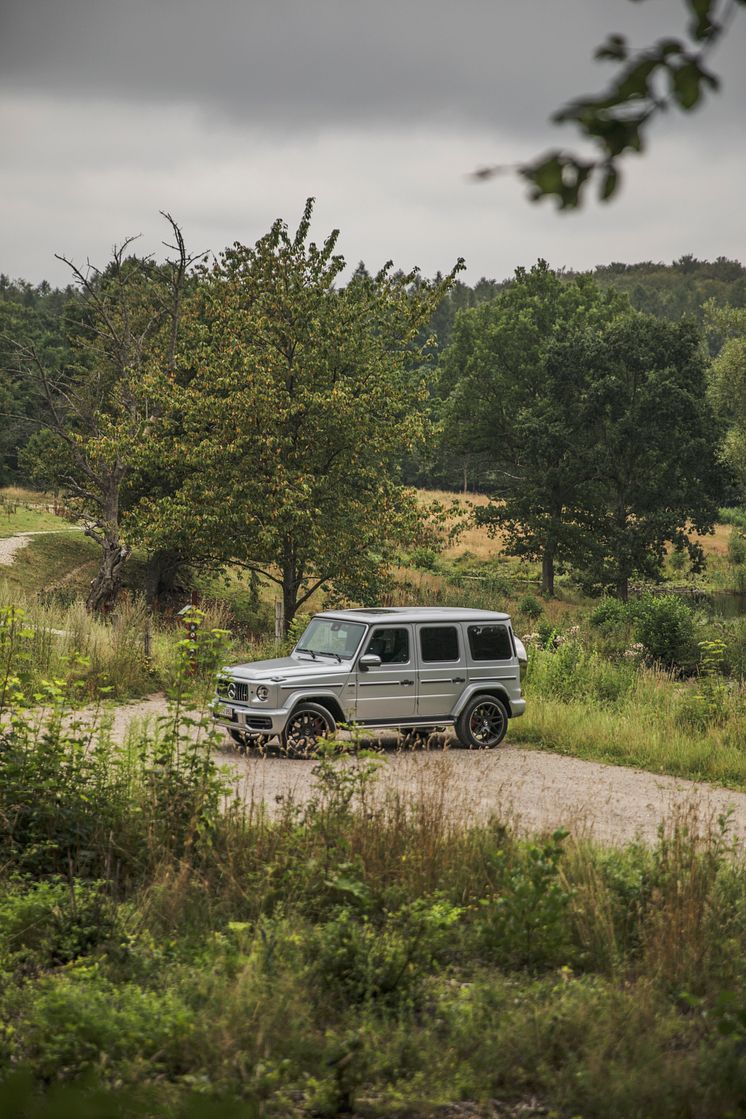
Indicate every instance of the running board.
{"type": "Point", "coordinates": [405, 722]}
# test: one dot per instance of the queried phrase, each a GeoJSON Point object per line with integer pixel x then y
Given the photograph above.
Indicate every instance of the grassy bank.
{"type": "Point", "coordinates": [361, 953]}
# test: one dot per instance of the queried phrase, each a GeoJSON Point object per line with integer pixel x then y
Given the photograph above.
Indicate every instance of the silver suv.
{"type": "Point", "coordinates": [408, 669]}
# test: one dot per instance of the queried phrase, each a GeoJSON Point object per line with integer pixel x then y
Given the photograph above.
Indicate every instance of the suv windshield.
{"type": "Point", "coordinates": [331, 637]}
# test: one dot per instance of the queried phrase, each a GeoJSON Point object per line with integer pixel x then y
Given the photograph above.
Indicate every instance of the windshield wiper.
{"type": "Point", "coordinates": [318, 653]}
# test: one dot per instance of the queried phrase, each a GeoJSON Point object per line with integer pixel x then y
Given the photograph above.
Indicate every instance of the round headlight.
{"type": "Point", "coordinates": [262, 693]}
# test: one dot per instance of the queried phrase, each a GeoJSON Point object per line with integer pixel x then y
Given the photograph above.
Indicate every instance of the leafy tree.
{"type": "Point", "coordinates": [727, 383]}
{"type": "Point", "coordinates": [127, 317]}
{"type": "Point", "coordinates": [290, 405]}
{"type": "Point", "coordinates": [595, 421]}
{"type": "Point", "coordinates": [653, 436]}
{"type": "Point", "coordinates": [32, 316]}
{"type": "Point", "coordinates": [517, 374]}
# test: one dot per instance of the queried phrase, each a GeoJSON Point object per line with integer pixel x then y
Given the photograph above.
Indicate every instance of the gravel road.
{"type": "Point", "coordinates": [533, 790]}
{"type": "Point", "coordinates": [10, 545]}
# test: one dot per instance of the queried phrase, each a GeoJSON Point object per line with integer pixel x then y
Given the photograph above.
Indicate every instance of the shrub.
{"type": "Point", "coordinates": [526, 923]}
{"type": "Point", "coordinates": [530, 607]}
{"type": "Point", "coordinates": [737, 547]}
{"type": "Point", "coordinates": [79, 1020]}
{"type": "Point", "coordinates": [44, 924]}
{"type": "Point", "coordinates": [610, 612]}
{"type": "Point", "coordinates": [665, 626]}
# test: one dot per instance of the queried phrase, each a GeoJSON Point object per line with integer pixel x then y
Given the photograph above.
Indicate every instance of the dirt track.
{"type": "Point", "coordinates": [11, 545]}
{"type": "Point", "coordinates": [532, 789]}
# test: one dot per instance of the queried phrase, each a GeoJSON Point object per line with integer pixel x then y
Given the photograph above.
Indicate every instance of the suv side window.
{"type": "Point", "coordinates": [490, 643]}
{"type": "Point", "coordinates": [439, 643]}
{"type": "Point", "coordinates": [391, 645]}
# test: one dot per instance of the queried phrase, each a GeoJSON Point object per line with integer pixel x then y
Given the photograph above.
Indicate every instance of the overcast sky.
{"type": "Point", "coordinates": [229, 113]}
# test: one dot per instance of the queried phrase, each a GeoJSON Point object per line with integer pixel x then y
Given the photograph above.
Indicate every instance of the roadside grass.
{"type": "Point", "coordinates": [62, 563]}
{"type": "Point", "coordinates": [604, 707]}
{"type": "Point", "coordinates": [646, 739]}
{"type": "Point", "coordinates": [94, 659]}
{"type": "Point", "coordinates": [365, 953]}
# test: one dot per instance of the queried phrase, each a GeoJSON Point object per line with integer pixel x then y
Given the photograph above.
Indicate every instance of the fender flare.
{"type": "Point", "coordinates": [480, 687]}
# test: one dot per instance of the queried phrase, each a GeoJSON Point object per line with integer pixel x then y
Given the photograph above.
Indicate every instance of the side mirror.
{"type": "Point", "coordinates": [370, 660]}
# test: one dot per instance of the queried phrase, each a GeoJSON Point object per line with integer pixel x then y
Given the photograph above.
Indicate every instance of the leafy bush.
{"type": "Point", "coordinates": [525, 923]}
{"type": "Point", "coordinates": [734, 516]}
{"type": "Point", "coordinates": [383, 962]}
{"type": "Point", "coordinates": [610, 612]}
{"type": "Point", "coordinates": [666, 628]}
{"type": "Point", "coordinates": [79, 1019]}
{"type": "Point", "coordinates": [530, 607]}
{"type": "Point", "coordinates": [47, 923]}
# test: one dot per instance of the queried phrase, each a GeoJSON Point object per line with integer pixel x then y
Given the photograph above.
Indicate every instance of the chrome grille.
{"type": "Point", "coordinates": [233, 689]}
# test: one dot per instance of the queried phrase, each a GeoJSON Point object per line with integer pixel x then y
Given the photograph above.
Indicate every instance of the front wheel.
{"type": "Point", "coordinates": [307, 724]}
{"type": "Point", "coordinates": [483, 723]}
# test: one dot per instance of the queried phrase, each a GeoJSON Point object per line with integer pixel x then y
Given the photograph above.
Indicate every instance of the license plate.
{"type": "Point", "coordinates": [223, 711]}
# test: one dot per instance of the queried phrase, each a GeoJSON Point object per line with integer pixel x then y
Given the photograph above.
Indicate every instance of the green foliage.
{"type": "Point", "coordinates": [530, 607]}
{"type": "Point", "coordinates": [52, 922]}
{"type": "Point", "coordinates": [610, 612]}
{"type": "Point", "coordinates": [317, 388]}
{"type": "Point", "coordinates": [671, 73]}
{"type": "Point", "coordinates": [525, 924]}
{"type": "Point", "coordinates": [665, 625]}
{"type": "Point", "coordinates": [72, 801]}
{"type": "Point", "coordinates": [515, 374]}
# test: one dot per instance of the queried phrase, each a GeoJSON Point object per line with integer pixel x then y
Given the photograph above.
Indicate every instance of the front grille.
{"type": "Point", "coordinates": [233, 689]}
{"type": "Point", "coordinates": [258, 722]}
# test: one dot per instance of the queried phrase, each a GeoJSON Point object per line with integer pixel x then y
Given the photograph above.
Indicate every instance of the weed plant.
{"type": "Point", "coordinates": [105, 657]}
{"type": "Point", "coordinates": [365, 950]}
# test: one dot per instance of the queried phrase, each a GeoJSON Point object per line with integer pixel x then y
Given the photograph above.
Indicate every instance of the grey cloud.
{"type": "Point", "coordinates": [300, 64]}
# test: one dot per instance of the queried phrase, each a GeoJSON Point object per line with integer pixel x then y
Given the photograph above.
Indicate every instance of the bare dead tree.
{"type": "Point", "coordinates": [98, 409]}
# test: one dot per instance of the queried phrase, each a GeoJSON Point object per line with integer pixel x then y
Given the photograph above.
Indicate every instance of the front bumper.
{"type": "Point", "coordinates": [248, 719]}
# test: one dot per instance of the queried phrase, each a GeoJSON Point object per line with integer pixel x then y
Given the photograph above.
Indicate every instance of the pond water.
{"type": "Point", "coordinates": [729, 605]}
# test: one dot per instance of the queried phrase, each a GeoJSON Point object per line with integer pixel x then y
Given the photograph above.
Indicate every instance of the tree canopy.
{"type": "Point", "coordinates": [290, 405]}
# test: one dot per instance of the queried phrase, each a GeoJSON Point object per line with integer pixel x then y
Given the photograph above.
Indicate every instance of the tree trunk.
{"type": "Point", "coordinates": [622, 587]}
{"type": "Point", "coordinates": [291, 582]}
{"type": "Point", "coordinates": [289, 603]}
{"type": "Point", "coordinates": [547, 570]}
{"type": "Point", "coordinates": [161, 574]}
{"type": "Point", "coordinates": [108, 582]}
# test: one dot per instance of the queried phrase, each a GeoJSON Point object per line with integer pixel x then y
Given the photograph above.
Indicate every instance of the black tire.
{"type": "Point", "coordinates": [483, 723]}
{"type": "Point", "coordinates": [240, 740]}
{"type": "Point", "coordinates": [308, 723]}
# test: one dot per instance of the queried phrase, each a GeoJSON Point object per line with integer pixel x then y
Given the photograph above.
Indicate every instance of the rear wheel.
{"type": "Point", "coordinates": [483, 723]}
{"type": "Point", "coordinates": [307, 724]}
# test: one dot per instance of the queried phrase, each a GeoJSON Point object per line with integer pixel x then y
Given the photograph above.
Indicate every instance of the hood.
{"type": "Point", "coordinates": [287, 668]}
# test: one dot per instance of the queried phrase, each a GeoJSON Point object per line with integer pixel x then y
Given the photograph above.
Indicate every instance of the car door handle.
{"type": "Point", "coordinates": [459, 679]}
{"type": "Point", "coordinates": [407, 683]}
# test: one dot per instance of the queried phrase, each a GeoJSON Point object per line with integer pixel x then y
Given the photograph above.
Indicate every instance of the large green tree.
{"type": "Point", "coordinates": [516, 376]}
{"type": "Point", "coordinates": [595, 422]}
{"type": "Point", "coordinates": [291, 403]}
{"type": "Point", "coordinates": [652, 436]}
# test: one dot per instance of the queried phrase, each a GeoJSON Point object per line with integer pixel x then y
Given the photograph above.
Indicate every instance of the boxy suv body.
{"type": "Point", "coordinates": [410, 669]}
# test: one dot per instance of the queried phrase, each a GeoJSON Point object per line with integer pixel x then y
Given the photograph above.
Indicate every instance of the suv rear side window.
{"type": "Point", "coordinates": [391, 645]}
{"type": "Point", "coordinates": [439, 643]}
{"type": "Point", "coordinates": [490, 643]}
